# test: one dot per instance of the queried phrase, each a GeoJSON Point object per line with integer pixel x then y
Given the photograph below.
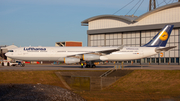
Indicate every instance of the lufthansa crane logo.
{"type": "Point", "coordinates": [163, 36]}
{"type": "Point", "coordinates": [161, 54]}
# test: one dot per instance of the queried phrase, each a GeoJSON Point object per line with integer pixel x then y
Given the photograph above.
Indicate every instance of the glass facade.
{"type": "Point", "coordinates": [140, 38]}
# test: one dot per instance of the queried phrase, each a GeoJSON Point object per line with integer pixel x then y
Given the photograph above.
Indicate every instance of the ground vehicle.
{"type": "Point", "coordinates": [9, 63]}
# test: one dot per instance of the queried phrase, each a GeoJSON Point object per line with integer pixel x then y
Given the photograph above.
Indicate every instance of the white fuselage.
{"type": "Point", "coordinates": [58, 53]}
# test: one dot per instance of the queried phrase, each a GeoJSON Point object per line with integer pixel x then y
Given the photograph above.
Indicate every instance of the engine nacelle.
{"type": "Point", "coordinates": [91, 57]}
{"type": "Point", "coordinates": [71, 60]}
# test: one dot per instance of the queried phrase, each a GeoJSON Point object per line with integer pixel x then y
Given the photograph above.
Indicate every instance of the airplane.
{"type": "Point", "coordinates": [92, 54]}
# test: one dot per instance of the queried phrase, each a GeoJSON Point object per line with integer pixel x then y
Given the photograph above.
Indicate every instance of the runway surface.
{"type": "Point", "coordinates": [99, 67]}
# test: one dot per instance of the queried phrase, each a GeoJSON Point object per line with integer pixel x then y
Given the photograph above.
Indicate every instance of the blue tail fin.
{"type": "Point", "coordinates": [161, 38]}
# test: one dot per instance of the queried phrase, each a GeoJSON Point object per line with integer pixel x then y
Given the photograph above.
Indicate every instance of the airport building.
{"type": "Point", "coordinates": [69, 43]}
{"type": "Point", "coordinates": [4, 49]}
{"type": "Point", "coordinates": [113, 30]}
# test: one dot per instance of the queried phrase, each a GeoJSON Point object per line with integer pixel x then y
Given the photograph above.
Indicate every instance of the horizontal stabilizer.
{"type": "Point", "coordinates": [121, 47]}
{"type": "Point", "coordinates": [164, 49]}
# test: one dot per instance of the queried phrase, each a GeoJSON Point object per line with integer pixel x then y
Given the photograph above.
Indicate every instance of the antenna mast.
{"type": "Point", "coordinates": [152, 4]}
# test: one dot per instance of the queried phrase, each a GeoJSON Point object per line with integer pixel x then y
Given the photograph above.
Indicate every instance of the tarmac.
{"type": "Point", "coordinates": [98, 67]}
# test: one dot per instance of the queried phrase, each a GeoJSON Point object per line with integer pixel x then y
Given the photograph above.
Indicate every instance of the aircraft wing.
{"type": "Point", "coordinates": [164, 49]}
{"type": "Point", "coordinates": [108, 51]}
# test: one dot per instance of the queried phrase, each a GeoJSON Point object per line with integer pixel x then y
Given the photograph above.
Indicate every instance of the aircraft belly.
{"type": "Point", "coordinates": [122, 56]}
{"type": "Point", "coordinates": [36, 58]}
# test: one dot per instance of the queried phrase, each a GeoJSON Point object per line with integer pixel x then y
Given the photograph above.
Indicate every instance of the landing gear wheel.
{"type": "Point", "coordinates": [93, 66]}
{"type": "Point", "coordinates": [2, 64]}
{"type": "Point", "coordinates": [22, 65]}
{"type": "Point", "coordinates": [87, 66]}
{"type": "Point", "coordinates": [8, 64]}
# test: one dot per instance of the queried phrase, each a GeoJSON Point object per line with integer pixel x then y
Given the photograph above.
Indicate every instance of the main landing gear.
{"type": "Point", "coordinates": [90, 64]}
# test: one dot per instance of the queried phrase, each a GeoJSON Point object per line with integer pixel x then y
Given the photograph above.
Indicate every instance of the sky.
{"type": "Point", "coordinates": [44, 22]}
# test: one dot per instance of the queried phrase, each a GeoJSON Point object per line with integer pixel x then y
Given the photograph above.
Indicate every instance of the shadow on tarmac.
{"type": "Point", "coordinates": [135, 66]}
{"type": "Point", "coordinates": [70, 66]}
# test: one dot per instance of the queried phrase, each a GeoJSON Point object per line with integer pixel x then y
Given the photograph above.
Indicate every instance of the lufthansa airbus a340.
{"type": "Point", "coordinates": [92, 54]}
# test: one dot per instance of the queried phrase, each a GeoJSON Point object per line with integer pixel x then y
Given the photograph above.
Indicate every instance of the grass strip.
{"type": "Point", "coordinates": [30, 77]}
{"type": "Point", "coordinates": [140, 85]}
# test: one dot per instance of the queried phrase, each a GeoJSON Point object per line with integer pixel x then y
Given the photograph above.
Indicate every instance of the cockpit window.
{"type": "Point", "coordinates": [10, 50]}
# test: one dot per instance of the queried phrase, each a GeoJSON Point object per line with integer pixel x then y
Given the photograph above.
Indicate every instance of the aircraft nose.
{"type": "Point", "coordinates": [7, 54]}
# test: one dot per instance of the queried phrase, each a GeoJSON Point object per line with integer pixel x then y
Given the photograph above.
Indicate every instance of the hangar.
{"type": "Point", "coordinates": [114, 30]}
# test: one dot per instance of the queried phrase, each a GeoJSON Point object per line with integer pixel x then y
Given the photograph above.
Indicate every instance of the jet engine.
{"type": "Point", "coordinates": [71, 60]}
{"type": "Point", "coordinates": [91, 57]}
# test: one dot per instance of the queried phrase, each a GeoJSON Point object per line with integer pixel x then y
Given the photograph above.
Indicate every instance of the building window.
{"type": "Point", "coordinates": [143, 60]}
{"type": "Point", "coordinates": [157, 60]}
{"type": "Point", "coordinates": [162, 60]}
{"type": "Point", "coordinates": [113, 39]}
{"type": "Point", "coordinates": [97, 40]}
{"type": "Point", "coordinates": [148, 60]}
{"type": "Point", "coordinates": [131, 39]}
{"type": "Point", "coordinates": [153, 60]}
{"type": "Point", "coordinates": [138, 61]}
{"type": "Point", "coordinates": [177, 60]}
{"type": "Point", "coordinates": [167, 60]}
{"type": "Point", "coordinates": [172, 60]}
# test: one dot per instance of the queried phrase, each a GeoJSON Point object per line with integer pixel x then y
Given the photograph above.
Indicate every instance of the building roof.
{"type": "Point", "coordinates": [157, 10]}
{"type": "Point", "coordinates": [129, 19]}
{"type": "Point", "coordinates": [124, 18]}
